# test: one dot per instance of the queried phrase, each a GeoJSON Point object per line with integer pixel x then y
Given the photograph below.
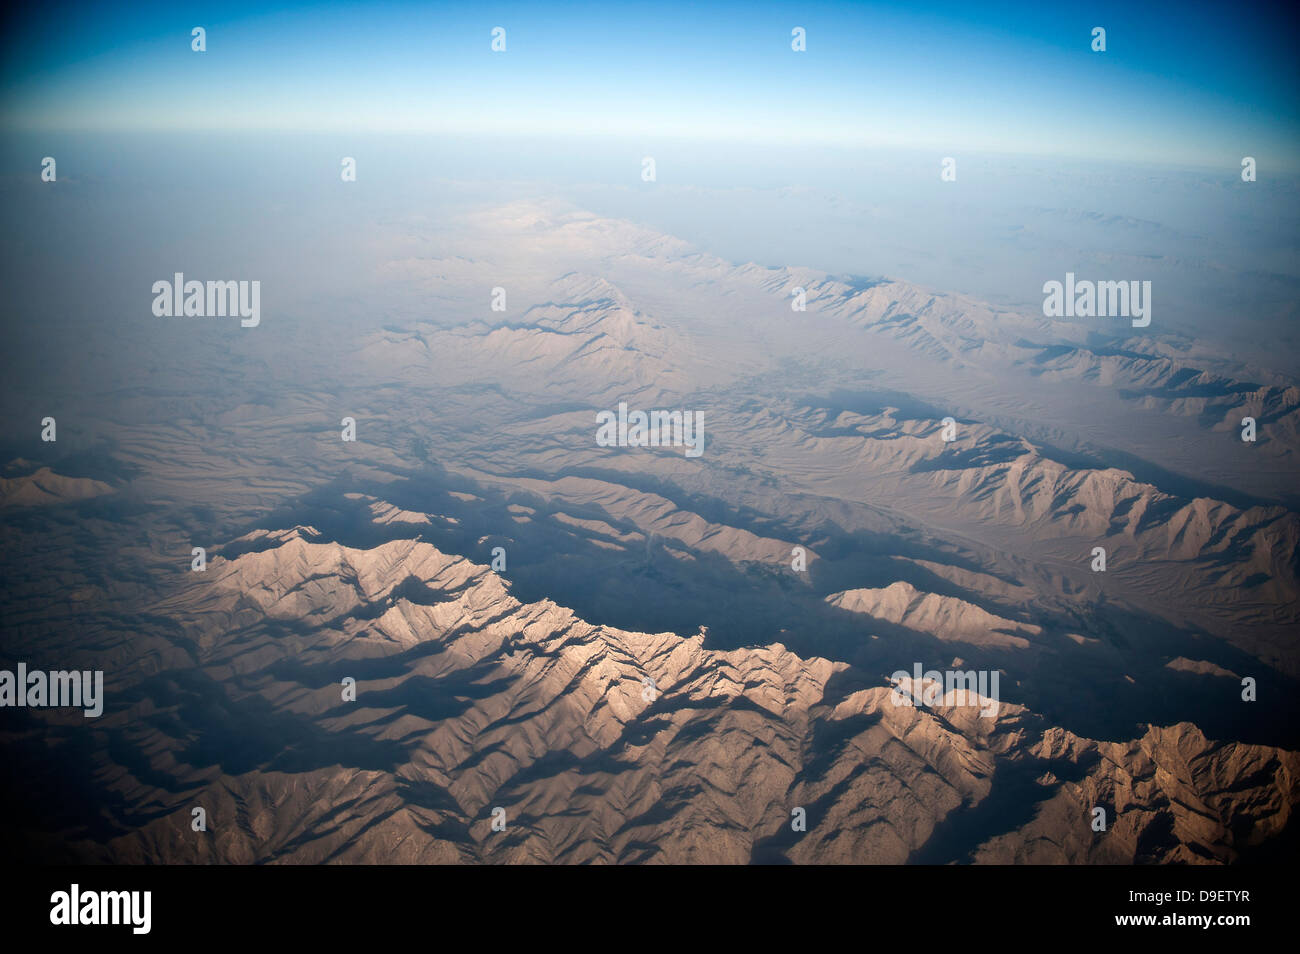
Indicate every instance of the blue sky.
{"type": "Point", "coordinates": [1184, 84]}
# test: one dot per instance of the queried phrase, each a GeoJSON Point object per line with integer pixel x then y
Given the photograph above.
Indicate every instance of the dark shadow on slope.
{"type": "Point", "coordinates": [1012, 802]}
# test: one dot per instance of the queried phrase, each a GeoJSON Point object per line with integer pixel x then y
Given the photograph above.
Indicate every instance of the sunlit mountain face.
{"type": "Point", "coordinates": [627, 486]}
